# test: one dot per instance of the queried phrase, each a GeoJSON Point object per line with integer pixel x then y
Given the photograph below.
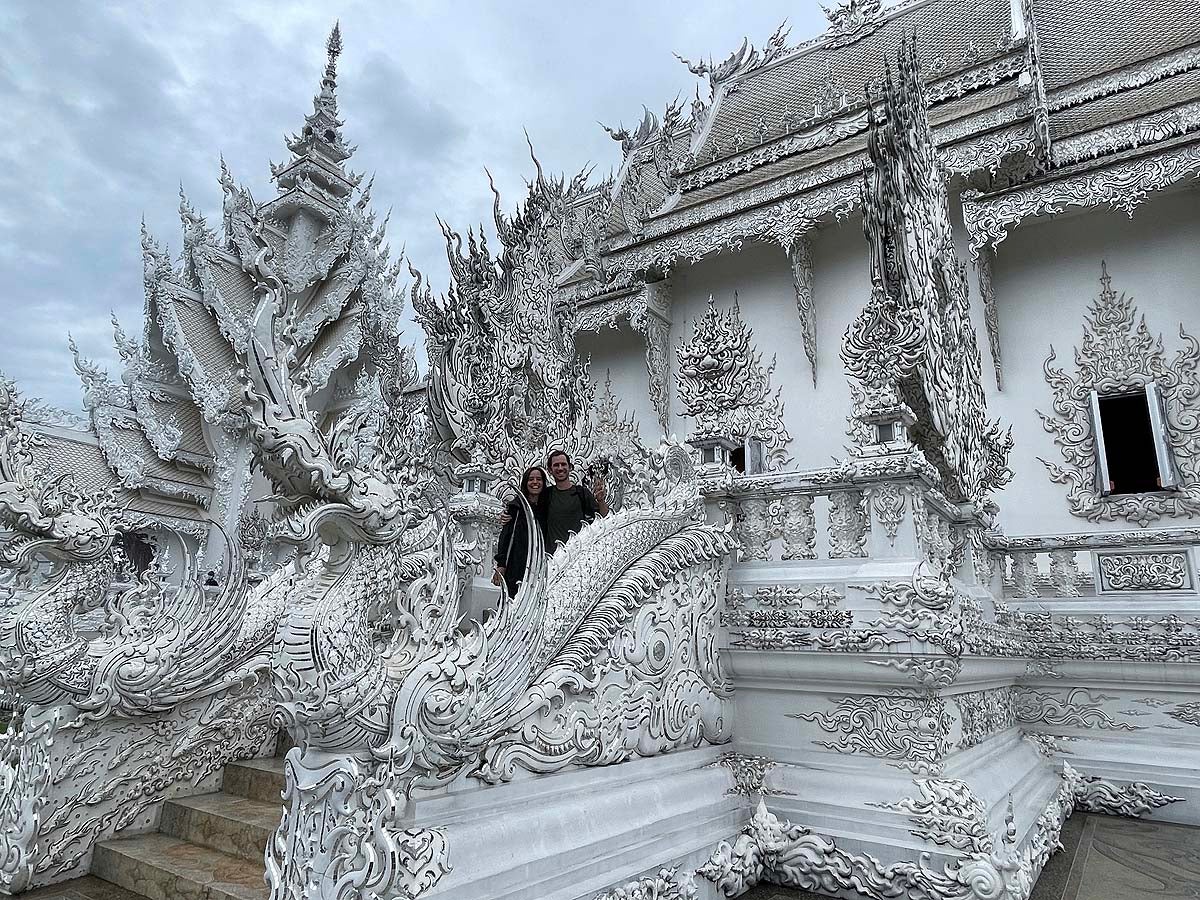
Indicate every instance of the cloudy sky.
{"type": "Point", "coordinates": [111, 106]}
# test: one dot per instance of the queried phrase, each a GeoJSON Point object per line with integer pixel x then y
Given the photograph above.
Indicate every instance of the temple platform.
{"type": "Point", "coordinates": [1103, 858]}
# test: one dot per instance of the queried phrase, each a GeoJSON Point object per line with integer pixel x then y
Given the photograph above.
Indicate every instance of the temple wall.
{"type": "Point", "coordinates": [620, 353]}
{"type": "Point", "coordinates": [762, 277]}
{"type": "Point", "coordinates": [1045, 276]}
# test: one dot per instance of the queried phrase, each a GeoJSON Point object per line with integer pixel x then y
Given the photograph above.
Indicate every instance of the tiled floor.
{"type": "Point", "coordinates": [1103, 858]}
{"type": "Point", "coordinates": [88, 888]}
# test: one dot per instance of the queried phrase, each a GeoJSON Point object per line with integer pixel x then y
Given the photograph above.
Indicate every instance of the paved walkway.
{"type": "Point", "coordinates": [1103, 858]}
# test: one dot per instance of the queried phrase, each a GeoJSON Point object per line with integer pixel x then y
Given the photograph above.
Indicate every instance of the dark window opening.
{"type": "Point", "coordinates": [1129, 444]}
{"type": "Point", "coordinates": [737, 458]}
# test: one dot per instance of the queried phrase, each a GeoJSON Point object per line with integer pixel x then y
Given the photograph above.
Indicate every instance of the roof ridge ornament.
{"type": "Point", "coordinates": [852, 20]}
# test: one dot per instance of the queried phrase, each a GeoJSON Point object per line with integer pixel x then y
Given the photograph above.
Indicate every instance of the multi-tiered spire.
{"type": "Point", "coordinates": [319, 151]}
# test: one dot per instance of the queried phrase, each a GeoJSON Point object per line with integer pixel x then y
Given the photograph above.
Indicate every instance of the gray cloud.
{"type": "Point", "coordinates": [109, 107]}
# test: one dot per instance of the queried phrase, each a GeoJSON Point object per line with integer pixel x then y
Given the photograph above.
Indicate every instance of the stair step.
{"type": "Point", "coordinates": [235, 825]}
{"type": "Point", "coordinates": [255, 779]}
{"type": "Point", "coordinates": [162, 867]}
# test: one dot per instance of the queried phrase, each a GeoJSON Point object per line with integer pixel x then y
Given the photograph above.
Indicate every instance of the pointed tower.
{"type": "Point", "coordinates": [314, 179]}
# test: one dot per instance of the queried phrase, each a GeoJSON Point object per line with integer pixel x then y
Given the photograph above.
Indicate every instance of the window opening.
{"type": "Point", "coordinates": [1130, 457]}
{"type": "Point", "coordinates": [737, 458]}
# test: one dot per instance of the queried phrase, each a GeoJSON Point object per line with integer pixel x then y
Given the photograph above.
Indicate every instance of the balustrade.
{"type": "Point", "coordinates": [818, 516]}
{"type": "Point", "coordinates": [1107, 563]}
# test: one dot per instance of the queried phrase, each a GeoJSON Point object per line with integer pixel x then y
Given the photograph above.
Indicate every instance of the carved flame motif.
{"type": "Point", "coordinates": [725, 388]}
{"type": "Point", "coordinates": [504, 381]}
{"type": "Point", "coordinates": [1119, 354]}
{"type": "Point", "coordinates": [913, 344]}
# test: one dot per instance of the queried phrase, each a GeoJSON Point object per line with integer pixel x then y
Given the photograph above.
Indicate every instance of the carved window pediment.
{"type": "Point", "coordinates": [1119, 356]}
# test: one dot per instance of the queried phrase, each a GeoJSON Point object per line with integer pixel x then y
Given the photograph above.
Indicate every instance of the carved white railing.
{"type": "Point", "coordinates": [1100, 564]}
{"type": "Point", "coordinates": [827, 515]}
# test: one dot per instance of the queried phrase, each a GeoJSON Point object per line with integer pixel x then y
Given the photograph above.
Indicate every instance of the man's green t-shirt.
{"type": "Point", "coordinates": [564, 516]}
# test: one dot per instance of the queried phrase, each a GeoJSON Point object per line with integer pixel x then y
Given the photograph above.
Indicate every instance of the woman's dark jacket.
{"type": "Point", "coordinates": [512, 548]}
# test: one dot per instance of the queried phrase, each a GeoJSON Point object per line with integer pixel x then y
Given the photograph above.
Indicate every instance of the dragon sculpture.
{"type": "Point", "coordinates": [158, 682]}
{"type": "Point", "coordinates": [606, 652]}
{"type": "Point", "coordinates": [130, 692]}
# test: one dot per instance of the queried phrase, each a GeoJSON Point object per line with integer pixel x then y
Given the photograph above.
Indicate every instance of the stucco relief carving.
{"type": "Point", "coordinates": [800, 257]}
{"type": "Point", "coordinates": [668, 884]}
{"type": "Point", "coordinates": [724, 386]}
{"type": "Point", "coordinates": [911, 730]}
{"type": "Point", "coordinates": [1123, 185]}
{"type": "Point", "coordinates": [991, 312]}
{"type": "Point", "coordinates": [985, 713]}
{"type": "Point", "coordinates": [931, 673]}
{"type": "Point", "coordinates": [1132, 799]}
{"type": "Point", "coordinates": [1119, 354]}
{"type": "Point", "coordinates": [946, 813]}
{"type": "Point", "coordinates": [887, 505]}
{"type": "Point", "coordinates": [847, 524]}
{"type": "Point", "coordinates": [798, 526]}
{"type": "Point", "coordinates": [772, 850]}
{"type": "Point", "coordinates": [1078, 708]}
{"type": "Point", "coordinates": [1166, 571]}
{"type": "Point", "coordinates": [749, 775]}
{"type": "Point", "coordinates": [1187, 713]}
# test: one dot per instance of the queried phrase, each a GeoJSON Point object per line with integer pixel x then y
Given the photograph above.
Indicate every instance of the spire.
{"type": "Point", "coordinates": [319, 151]}
{"type": "Point", "coordinates": [327, 99]}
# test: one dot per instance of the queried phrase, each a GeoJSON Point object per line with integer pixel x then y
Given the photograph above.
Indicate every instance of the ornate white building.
{"type": "Point", "coordinates": [916, 581]}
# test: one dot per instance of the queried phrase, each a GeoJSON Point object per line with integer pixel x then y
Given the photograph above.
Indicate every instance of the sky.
{"type": "Point", "coordinates": [111, 107]}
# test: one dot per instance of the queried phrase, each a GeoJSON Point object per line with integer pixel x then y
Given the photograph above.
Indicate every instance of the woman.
{"type": "Point", "coordinates": [513, 546]}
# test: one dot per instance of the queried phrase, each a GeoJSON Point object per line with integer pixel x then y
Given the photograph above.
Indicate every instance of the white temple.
{"type": "Point", "coordinates": [901, 566]}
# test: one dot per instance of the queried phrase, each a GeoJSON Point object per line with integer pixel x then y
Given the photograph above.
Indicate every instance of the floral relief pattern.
{"type": "Point", "coordinates": [1119, 354]}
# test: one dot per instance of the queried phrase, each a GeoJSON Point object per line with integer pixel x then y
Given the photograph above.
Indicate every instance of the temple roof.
{"type": "Point", "coordinates": [829, 74]}
{"type": "Point", "coordinates": [1082, 38]}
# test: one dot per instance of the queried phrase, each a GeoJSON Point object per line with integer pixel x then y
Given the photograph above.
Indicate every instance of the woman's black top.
{"type": "Point", "coordinates": [513, 547]}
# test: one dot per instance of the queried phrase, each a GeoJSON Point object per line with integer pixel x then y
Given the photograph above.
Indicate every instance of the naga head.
{"type": "Point", "coordinates": [353, 480]}
{"type": "Point", "coordinates": [47, 516]}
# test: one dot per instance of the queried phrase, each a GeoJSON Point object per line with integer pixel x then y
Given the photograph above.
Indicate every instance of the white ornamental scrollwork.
{"type": "Point", "coordinates": [775, 851]}
{"type": "Point", "coordinates": [723, 385]}
{"type": "Point", "coordinates": [668, 884]}
{"type": "Point", "coordinates": [1122, 186]}
{"type": "Point", "coordinates": [912, 731]}
{"type": "Point", "coordinates": [1167, 571]}
{"type": "Point", "coordinates": [1119, 354]}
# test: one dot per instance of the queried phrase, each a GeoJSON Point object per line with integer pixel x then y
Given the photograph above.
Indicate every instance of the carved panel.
{"type": "Point", "coordinates": [1165, 571]}
{"type": "Point", "coordinates": [724, 386]}
{"type": "Point", "coordinates": [1118, 354]}
{"type": "Point", "coordinates": [912, 730]}
{"type": "Point", "coordinates": [887, 504]}
{"type": "Point", "coordinates": [798, 527]}
{"type": "Point", "coordinates": [847, 524]}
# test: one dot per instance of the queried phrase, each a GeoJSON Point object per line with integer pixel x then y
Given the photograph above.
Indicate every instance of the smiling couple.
{"type": "Point", "coordinates": [559, 510]}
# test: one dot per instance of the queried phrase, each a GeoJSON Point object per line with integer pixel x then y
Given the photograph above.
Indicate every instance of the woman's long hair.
{"type": "Point", "coordinates": [525, 481]}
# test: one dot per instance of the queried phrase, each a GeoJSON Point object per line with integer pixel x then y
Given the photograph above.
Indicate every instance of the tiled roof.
{"type": "Point", "coordinates": [81, 458]}
{"type": "Point", "coordinates": [1126, 105]}
{"type": "Point", "coordinates": [213, 354]}
{"type": "Point", "coordinates": [1081, 38]}
{"type": "Point", "coordinates": [949, 32]}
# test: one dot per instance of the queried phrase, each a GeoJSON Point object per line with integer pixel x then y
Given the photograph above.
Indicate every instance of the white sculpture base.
{"type": "Point", "coordinates": [578, 833]}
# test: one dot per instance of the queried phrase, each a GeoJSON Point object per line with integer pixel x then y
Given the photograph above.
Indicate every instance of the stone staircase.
{"type": "Point", "coordinates": [208, 847]}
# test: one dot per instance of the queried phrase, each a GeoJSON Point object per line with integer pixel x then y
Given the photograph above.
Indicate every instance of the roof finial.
{"type": "Point", "coordinates": [333, 47]}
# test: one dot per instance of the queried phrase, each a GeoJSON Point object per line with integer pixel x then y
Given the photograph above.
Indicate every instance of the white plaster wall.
{"type": "Point", "coordinates": [1045, 276]}
{"type": "Point", "coordinates": [620, 353]}
{"type": "Point", "coordinates": [762, 278]}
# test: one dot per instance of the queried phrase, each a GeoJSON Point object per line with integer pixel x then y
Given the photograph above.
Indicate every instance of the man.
{"type": "Point", "coordinates": [568, 506]}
